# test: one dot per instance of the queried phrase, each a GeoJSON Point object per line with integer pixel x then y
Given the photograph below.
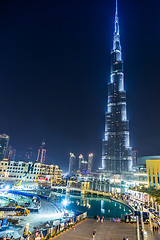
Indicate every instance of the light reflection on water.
{"type": "Point", "coordinates": [97, 206]}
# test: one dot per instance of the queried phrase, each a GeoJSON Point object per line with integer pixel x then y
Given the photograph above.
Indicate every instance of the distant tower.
{"type": "Point", "coordinates": [28, 156]}
{"type": "Point", "coordinates": [72, 164]}
{"type": "Point", "coordinates": [90, 162]}
{"type": "Point", "coordinates": [4, 140]}
{"type": "Point", "coordinates": [117, 153]}
{"type": "Point", "coordinates": [135, 157]}
{"type": "Point", "coordinates": [83, 165]}
{"type": "Point", "coordinates": [41, 157]}
{"type": "Point", "coordinates": [10, 153]}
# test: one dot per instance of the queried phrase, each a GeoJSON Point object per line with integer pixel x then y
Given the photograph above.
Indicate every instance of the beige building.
{"type": "Point", "coordinates": [30, 171]}
{"type": "Point", "coordinates": [153, 171]}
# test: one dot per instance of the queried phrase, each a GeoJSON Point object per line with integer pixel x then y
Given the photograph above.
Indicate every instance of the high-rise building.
{"type": "Point", "coordinates": [83, 165]}
{"type": "Point", "coordinates": [29, 153]}
{"type": "Point", "coordinates": [116, 153]}
{"type": "Point", "coordinates": [10, 153]}
{"type": "Point", "coordinates": [41, 157]}
{"type": "Point", "coordinates": [90, 162]}
{"type": "Point", "coordinates": [4, 140]}
{"type": "Point", "coordinates": [72, 164]}
{"type": "Point", "coordinates": [134, 157]}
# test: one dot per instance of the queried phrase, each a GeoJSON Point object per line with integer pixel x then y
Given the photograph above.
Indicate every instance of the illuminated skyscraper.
{"type": "Point", "coordinates": [90, 162]}
{"type": "Point", "coordinates": [41, 157]}
{"type": "Point", "coordinates": [116, 153]}
{"type": "Point", "coordinates": [72, 164]}
{"type": "Point", "coordinates": [4, 140]}
{"type": "Point", "coordinates": [83, 165]}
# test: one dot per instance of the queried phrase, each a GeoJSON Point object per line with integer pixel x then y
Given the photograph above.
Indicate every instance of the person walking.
{"type": "Point", "coordinates": [93, 235]}
{"type": "Point", "coordinates": [97, 218]}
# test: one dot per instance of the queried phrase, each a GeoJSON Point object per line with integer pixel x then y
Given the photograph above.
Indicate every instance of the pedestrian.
{"type": "Point", "coordinates": [101, 220]}
{"type": "Point", "coordinates": [157, 228]}
{"type": "Point", "coordinates": [93, 235]}
{"type": "Point", "coordinates": [97, 218]}
{"type": "Point", "coordinates": [153, 228]}
{"type": "Point", "coordinates": [95, 231]}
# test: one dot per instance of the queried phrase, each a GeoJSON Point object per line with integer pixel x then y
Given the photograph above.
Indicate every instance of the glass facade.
{"type": "Point", "coordinates": [116, 153]}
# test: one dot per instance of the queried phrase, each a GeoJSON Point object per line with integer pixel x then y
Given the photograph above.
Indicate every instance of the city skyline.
{"type": "Point", "coordinates": [55, 63]}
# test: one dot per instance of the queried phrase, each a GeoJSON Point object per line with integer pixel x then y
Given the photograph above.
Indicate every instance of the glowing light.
{"type": "Point", "coordinates": [65, 202]}
{"type": "Point", "coordinates": [6, 187]}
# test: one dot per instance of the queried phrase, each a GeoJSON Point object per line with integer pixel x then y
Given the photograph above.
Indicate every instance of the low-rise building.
{"type": "Point", "coordinates": [29, 171]}
{"type": "Point", "coordinates": [153, 171]}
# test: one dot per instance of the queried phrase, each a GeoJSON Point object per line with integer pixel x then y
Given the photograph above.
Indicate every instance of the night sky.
{"type": "Point", "coordinates": [54, 70]}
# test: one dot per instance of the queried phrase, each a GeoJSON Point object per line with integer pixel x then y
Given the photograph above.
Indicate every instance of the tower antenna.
{"type": "Point", "coordinates": [116, 6]}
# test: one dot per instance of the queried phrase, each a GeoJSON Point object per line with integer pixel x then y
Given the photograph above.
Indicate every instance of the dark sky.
{"type": "Point", "coordinates": [54, 70]}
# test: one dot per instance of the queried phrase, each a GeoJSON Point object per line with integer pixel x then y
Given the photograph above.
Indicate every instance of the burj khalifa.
{"type": "Point", "coordinates": [116, 150]}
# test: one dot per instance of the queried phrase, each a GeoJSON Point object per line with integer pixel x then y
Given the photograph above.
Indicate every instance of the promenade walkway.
{"type": "Point", "coordinates": [105, 231]}
{"type": "Point", "coordinates": [150, 234]}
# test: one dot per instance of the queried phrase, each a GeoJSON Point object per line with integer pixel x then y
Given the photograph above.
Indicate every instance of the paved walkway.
{"type": "Point", "coordinates": [150, 234]}
{"type": "Point", "coordinates": [105, 231]}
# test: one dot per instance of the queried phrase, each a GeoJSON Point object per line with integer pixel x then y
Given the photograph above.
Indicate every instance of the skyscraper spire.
{"type": "Point", "coordinates": [116, 35]}
{"type": "Point", "coordinates": [116, 7]}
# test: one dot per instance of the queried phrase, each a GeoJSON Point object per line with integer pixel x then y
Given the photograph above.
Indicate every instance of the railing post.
{"type": "Point", "coordinates": [138, 233]}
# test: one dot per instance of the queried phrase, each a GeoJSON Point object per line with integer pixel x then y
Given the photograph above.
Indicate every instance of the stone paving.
{"type": "Point", "coordinates": [105, 231]}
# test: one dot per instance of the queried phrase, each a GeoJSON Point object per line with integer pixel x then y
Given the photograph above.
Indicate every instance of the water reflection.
{"type": "Point", "coordinates": [97, 206]}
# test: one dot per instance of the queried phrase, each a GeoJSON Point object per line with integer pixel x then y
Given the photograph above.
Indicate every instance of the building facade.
{"type": "Point", "coordinates": [29, 171]}
{"type": "Point", "coordinates": [153, 173]}
{"type": "Point", "coordinates": [116, 150]}
{"type": "Point", "coordinates": [72, 164]}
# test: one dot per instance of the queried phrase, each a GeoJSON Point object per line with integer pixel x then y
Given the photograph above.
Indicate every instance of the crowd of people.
{"type": "Point", "coordinates": [155, 229]}
{"type": "Point", "coordinates": [99, 219]}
